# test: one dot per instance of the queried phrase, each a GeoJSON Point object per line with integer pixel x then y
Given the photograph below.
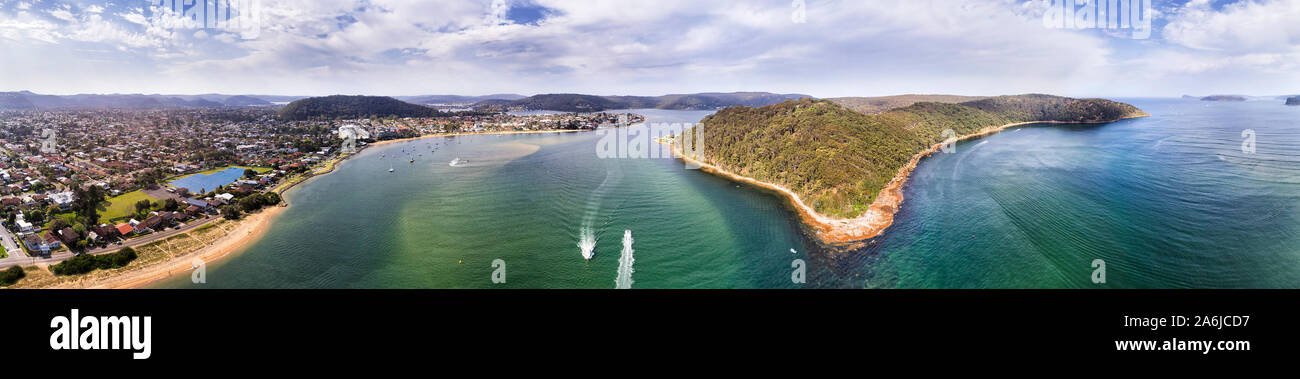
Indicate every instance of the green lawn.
{"type": "Point", "coordinates": [123, 205]}
{"type": "Point", "coordinates": [3, 253]}
{"type": "Point", "coordinates": [69, 217]}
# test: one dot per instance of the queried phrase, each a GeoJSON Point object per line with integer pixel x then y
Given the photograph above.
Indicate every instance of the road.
{"type": "Point", "coordinates": [59, 256]}
{"type": "Point", "coordinates": [10, 243]}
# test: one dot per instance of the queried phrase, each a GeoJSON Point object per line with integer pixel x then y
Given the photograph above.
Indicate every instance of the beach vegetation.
{"type": "Point", "coordinates": [230, 212]}
{"type": "Point", "coordinates": [837, 160]}
{"type": "Point", "coordinates": [11, 275]}
{"type": "Point", "coordinates": [85, 263]}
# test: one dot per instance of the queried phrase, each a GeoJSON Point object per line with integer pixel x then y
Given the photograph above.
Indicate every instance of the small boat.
{"type": "Point", "coordinates": [456, 162]}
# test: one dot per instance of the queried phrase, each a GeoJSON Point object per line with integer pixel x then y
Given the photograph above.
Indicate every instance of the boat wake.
{"type": "Point", "coordinates": [587, 235]}
{"type": "Point", "coordinates": [587, 242]}
{"type": "Point", "coordinates": [624, 279]}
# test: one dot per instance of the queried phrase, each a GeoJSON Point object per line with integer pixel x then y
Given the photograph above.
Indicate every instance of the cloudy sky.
{"type": "Point", "coordinates": [823, 48]}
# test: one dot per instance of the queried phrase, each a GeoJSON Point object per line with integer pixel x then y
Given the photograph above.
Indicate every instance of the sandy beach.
{"type": "Point", "coordinates": [880, 215]}
{"type": "Point", "coordinates": [248, 230]}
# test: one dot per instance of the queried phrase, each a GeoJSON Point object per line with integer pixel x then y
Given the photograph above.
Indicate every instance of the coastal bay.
{"type": "Point", "coordinates": [987, 216]}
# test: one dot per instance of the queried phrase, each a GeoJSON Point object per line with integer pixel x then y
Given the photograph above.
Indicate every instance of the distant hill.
{"type": "Point", "coordinates": [26, 100]}
{"type": "Point", "coordinates": [838, 160]}
{"type": "Point", "coordinates": [570, 102]}
{"type": "Point", "coordinates": [240, 101]}
{"type": "Point", "coordinates": [872, 105]}
{"type": "Point", "coordinates": [456, 99]}
{"type": "Point", "coordinates": [340, 106]}
{"type": "Point", "coordinates": [1224, 98]}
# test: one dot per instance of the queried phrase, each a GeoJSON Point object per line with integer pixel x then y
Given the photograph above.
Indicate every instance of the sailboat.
{"type": "Point", "coordinates": [390, 167]}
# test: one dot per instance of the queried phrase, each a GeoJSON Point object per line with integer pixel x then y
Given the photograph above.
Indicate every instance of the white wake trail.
{"type": "Point", "coordinates": [624, 279]}
{"type": "Point", "coordinates": [587, 235]}
{"type": "Point", "coordinates": [587, 242]}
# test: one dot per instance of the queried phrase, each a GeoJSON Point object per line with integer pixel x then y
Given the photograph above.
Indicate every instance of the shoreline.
{"type": "Point", "coordinates": [391, 141]}
{"type": "Point", "coordinates": [246, 231]}
{"type": "Point", "coordinates": [880, 214]}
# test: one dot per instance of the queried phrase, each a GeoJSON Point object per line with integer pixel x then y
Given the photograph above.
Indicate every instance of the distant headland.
{"type": "Point", "coordinates": [845, 169]}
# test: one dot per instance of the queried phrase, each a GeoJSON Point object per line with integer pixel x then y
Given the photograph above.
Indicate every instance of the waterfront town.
{"type": "Point", "coordinates": [92, 181]}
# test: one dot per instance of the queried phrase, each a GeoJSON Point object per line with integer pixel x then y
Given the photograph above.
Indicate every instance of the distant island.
{"type": "Point", "coordinates": [569, 102]}
{"type": "Point", "coordinates": [844, 168]}
{"type": "Point", "coordinates": [1293, 100]}
{"type": "Point", "coordinates": [1224, 98]}
{"type": "Point", "coordinates": [344, 107]}
{"type": "Point", "coordinates": [457, 99]}
{"type": "Point", "coordinates": [873, 105]}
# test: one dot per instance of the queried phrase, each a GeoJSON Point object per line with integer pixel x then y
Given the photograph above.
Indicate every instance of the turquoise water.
{"type": "Point", "coordinates": [209, 182]}
{"type": "Point", "coordinates": [1168, 201]}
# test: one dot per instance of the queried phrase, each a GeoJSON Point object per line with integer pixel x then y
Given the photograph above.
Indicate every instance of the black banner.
{"type": "Point", "coordinates": [360, 326]}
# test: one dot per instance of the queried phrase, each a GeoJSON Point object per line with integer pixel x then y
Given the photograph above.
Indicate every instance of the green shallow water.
{"type": "Point", "coordinates": [523, 199]}
{"type": "Point", "coordinates": [1168, 201]}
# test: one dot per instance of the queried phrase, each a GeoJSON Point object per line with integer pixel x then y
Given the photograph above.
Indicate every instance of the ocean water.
{"type": "Point", "coordinates": [1168, 201]}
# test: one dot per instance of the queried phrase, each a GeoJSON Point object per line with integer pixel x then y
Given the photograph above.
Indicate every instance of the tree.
{"type": "Point", "coordinates": [249, 173]}
{"type": "Point", "coordinates": [142, 206]}
{"type": "Point", "coordinates": [251, 203]}
{"type": "Point", "coordinates": [170, 205]}
{"type": "Point", "coordinates": [272, 198]}
{"type": "Point", "coordinates": [230, 212]}
{"type": "Point", "coordinates": [11, 275]}
{"type": "Point", "coordinates": [36, 216]}
{"type": "Point", "coordinates": [57, 224]}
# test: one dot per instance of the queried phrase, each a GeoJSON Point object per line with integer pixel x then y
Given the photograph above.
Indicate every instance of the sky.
{"type": "Point", "coordinates": [823, 48]}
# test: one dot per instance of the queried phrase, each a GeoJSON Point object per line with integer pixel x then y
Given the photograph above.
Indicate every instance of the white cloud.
{"type": "Point", "coordinates": [670, 46]}
{"type": "Point", "coordinates": [63, 14]}
{"type": "Point", "coordinates": [24, 26]}
{"type": "Point", "coordinates": [1247, 26]}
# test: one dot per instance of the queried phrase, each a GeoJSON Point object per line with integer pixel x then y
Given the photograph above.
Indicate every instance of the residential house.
{"type": "Point", "coordinates": [62, 199]}
{"type": "Point", "coordinates": [124, 229]}
{"type": "Point", "coordinates": [68, 236]}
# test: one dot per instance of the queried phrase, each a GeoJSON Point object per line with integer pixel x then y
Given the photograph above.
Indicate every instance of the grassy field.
{"type": "Point", "coordinates": [69, 217]}
{"type": "Point", "coordinates": [122, 205]}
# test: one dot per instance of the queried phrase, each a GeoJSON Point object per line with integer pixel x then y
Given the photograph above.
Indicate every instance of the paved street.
{"type": "Point", "coordinates": [10, 243]}
{"type": "Point", "coordinates": [9, 238]}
